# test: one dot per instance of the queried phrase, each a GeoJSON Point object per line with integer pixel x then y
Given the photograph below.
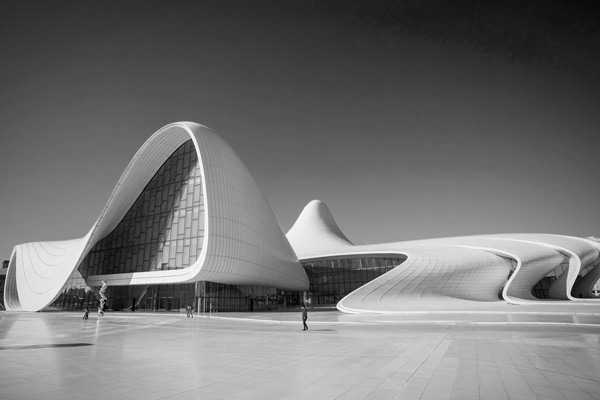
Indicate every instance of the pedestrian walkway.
{"type": "Point", "coordinates": [526, 354]}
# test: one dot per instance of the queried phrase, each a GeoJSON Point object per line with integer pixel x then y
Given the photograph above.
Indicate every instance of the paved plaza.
{"type": "Point", "coordinates": [499, 353]}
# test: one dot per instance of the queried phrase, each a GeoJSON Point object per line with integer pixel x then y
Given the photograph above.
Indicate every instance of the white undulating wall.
{"type": "Point", "coordinates": [243, 245]}
{"type": "Point", "coordinates": [469, 268]}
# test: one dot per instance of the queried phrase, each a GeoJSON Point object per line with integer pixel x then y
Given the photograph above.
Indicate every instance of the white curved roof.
{"type": "Point", "coordinates": [460, 268]}
{"type": "Point", "coordinates": [243, 244]}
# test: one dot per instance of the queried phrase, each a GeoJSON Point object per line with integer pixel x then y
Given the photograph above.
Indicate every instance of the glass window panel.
{"type": "Point", "coordinates": [201, 221]}
{"type": "Point", "coordinates": [197, 189]}
{"type": "Point", "coordinates": [188, 219]}
{"type": "Point", "coordinates": [193, 247]}
{"type": "Point", "coordinates": [364, 276]}
{"type": "Point", "coordinates": [186, 254]}
{"type": "Point", "coordinates": [181, 226]}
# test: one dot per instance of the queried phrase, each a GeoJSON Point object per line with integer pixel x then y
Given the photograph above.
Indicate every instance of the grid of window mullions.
{"type": "Point", "coordinates": [336, 278]}
{"type": "Point", "coordinates": [164, 227]}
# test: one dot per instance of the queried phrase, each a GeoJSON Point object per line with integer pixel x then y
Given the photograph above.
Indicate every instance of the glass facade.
{"type": "Point", "coordinates": [217, 297]}
{"type": "Point", "coordinates": [76, 295]}
{"type": "Point", "coordinates": [202, 296]}
{"type": "Point", "coordinates": [332, 279]}
{"type": "Point", "coordinates": [541, 290]}
{"type": "Point", "coordinates": [163, 229]}
{"type": "Point", "coordinates": [584, 271]}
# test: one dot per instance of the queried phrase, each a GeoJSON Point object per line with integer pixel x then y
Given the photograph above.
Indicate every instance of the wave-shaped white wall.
{"type": "Point", "coordinates": [469, 268]}
{"type": "Point", "coordinates": [243, 243]}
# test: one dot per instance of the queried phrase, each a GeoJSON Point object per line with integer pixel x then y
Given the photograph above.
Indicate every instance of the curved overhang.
{"type": "Point", "coordinates": [579, 252]}
{"type": "Point", "coordinates": [431, 272]}
{"type": "Point", "coordinates": [534, 259]}
{"type": "Point", "coordinates": [316, 236]}
{"type": "Point", "coordinates": [583, 289]}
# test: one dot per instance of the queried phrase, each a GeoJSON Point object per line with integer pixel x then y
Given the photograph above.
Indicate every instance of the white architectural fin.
{"type": "Point", "coordinates": [315, 231]}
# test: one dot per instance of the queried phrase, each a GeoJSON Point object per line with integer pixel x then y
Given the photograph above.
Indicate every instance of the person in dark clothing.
{"type": "Point", "coordinates": [304, 317]}
{"type": "Point", "coordinates": [86, 313]}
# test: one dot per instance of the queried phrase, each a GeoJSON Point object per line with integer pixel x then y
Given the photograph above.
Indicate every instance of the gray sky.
{"type": "Point", "coordinates": [409, 119]}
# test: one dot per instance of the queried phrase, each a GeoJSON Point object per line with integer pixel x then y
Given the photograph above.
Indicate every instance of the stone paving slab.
{"type": "Point", "coordinates": [531, 354]}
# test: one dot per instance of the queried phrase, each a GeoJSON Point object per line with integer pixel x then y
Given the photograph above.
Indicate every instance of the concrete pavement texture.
{"type": "Point", "coordinates": [536, 352]}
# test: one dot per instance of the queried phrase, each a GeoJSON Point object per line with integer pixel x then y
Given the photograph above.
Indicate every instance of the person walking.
{"type": "Point", "coordinates": [86, 313]}
{"type": "Point", "coordinates": [190, 314]}
{"type": "Point", "coordinates": [304, 317]}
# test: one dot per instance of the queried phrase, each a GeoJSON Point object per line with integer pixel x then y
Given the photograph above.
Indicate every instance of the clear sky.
{"type": "Point", "coordinates": [409, 119]}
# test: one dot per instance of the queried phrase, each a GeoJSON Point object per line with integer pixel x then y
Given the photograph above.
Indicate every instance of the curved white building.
{"type": "Point", "coordinates": [187, 224]}
{"type": "Point", "coordinates": [508, 267]}
{"type": "Point", "coordinates": [185, 210]}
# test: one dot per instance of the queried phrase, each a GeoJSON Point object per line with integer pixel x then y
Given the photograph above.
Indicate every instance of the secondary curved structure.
{"type": "Point", "coordinates": [502, 267]}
